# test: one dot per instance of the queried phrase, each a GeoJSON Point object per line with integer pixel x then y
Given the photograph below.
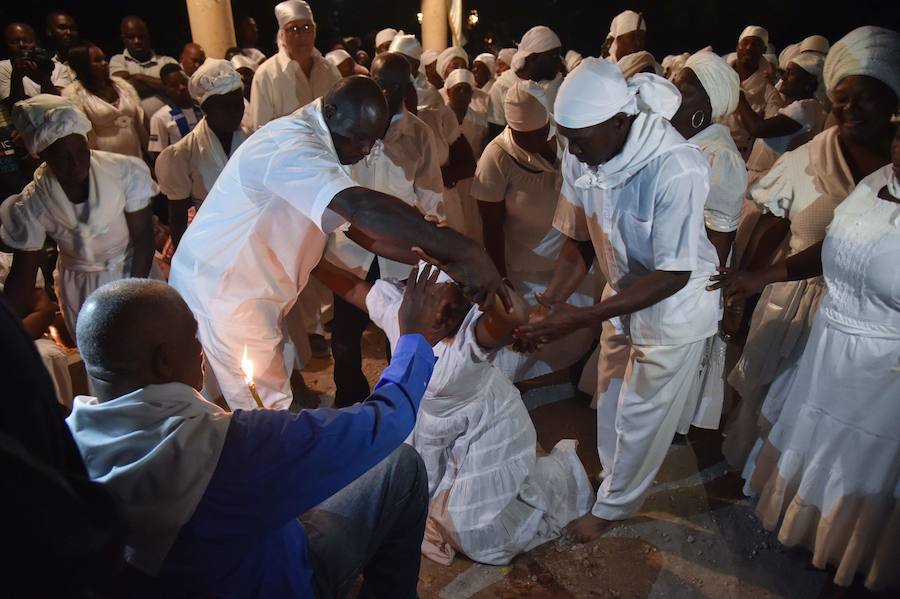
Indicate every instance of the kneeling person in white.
{"type": "Point", "coordinates": [264, 225]}
{"type": "Point", "coordinates": [187, 169]}
{"type": "Point", "coordinates": [635, 191]}
{"type": "Point", "coordinates": [94, 205]}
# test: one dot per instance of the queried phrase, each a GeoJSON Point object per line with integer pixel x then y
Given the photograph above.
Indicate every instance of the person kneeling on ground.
{"type": "Point", "coordinates": [253, 503]}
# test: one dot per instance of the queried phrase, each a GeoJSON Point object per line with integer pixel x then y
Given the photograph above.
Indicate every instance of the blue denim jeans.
{"type": "Point", "coordinates": [374, 527]}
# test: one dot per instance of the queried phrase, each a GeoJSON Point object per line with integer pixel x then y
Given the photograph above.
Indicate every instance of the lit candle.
{"type": "Point", "coordinates": [247, 370]}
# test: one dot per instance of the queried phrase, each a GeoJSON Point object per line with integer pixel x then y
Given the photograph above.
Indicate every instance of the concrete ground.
{"type": "Point", "coordinates": [697, 535]}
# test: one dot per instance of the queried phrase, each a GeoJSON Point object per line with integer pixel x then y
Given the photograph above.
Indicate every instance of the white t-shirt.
{"type": "Point", "coordinates": [132, 66]}
{"type": "Point", "coordinates": [280, 86]}
{"type": "Point", "coordinates": [164, 130]}
{"type": "Point", "coordinates": [61, 76]}
{"type": "Point", "coordinates": [264, 224]}
{"type": "Point", "coordinates": [727, 178]}
{"type": "Point", "coordinates": [653, 221]}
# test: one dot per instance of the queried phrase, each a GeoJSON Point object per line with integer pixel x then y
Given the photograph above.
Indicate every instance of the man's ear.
{"type": "Point", "coordinates": [162, 362]}
{"type": "Point", "coordinates": [328, 111]}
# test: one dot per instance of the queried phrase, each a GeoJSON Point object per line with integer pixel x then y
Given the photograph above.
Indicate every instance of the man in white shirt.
{"type": "Point", "coordinates": [178, 118]}
{"type": "Point", "coordinates": [62, 33]}
{"type": "Point", "coordinates": [247, 38]}
{"type": "Point", "coordinates": [408, 46]}
{"type": "Point", "coordinates": [297, 74]}
{"type": "Point", "coordinates": [403, 164]}
{"type": "Point", "coordinates": [140, 65]}
{"type": "Point", "coordinates": [29, 71]}
{"type": "Point", "coordinates": [762, 96]}
{"type": "Point", "coordinates": [633, 194]}
{"type": "Point", "coordinates": [264, 225]}
{"type": "Point", "coordinates": [192, 56]}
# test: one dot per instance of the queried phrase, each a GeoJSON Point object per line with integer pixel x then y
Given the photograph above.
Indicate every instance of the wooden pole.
{"type": "Point", "coordinates": [212, 25]}
{"type": "Point", "coordinates": [434, 24]}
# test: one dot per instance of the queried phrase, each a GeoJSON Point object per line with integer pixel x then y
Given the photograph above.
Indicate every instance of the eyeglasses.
{"type": "Point", "coordinates": [305, 28]}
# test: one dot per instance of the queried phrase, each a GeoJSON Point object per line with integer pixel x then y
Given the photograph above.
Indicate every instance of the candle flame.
{"type": "Point", "coordinates": [247, 368]}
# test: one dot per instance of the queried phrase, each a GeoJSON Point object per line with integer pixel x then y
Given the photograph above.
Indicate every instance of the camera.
{"type": "Point", "coordinates": [42, 58]}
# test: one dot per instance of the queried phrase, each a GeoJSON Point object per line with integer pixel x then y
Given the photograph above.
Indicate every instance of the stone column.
{"type": "Point", "coordinates": [212, 25]}
{"type": "Point", "coordinates": [434, 24]}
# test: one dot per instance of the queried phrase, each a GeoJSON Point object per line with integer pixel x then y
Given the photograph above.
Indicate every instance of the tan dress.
{"type": "Point", "coordinates": [118, 127]}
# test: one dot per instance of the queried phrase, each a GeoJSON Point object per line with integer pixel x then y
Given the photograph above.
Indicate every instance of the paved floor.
{"type": "Point", "coordinates": [696, 536]}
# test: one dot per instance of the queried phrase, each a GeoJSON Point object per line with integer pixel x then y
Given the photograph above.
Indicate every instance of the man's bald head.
{"type": "Point", "coordinates": [357, 116]}
{"type": "Point", "coordinates": [391, 72]}
{"type": "Point", "coordinates": [136, 332]}
{"type": "Point", "coordinates": [192, 56]}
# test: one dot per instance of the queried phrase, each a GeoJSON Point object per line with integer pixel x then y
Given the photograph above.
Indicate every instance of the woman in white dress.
{"type": "Point", "coordinates": [491, 497]}
{"type": "Point", "coordinates": [828, 473]}
{"type": "Point", "coordinates": [110, 103]}
{"type": "Point", "coordinates": [517, 185]}
{"type": "Point", "coordinates": [461, 207]}
{"type": "Point", "coordinates": [862, 75]}
{"type": "Point", "coordinates": [95, 205]}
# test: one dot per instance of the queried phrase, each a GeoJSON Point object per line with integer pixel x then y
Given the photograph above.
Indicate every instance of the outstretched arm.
{"type": "Point", "coordinates": [759, 126]}
{"type": "Point", "coordinates": [345, 285]}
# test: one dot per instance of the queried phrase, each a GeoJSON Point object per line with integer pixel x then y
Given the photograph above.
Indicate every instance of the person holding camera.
{"type": "Point", "coordinates": [30, 70]}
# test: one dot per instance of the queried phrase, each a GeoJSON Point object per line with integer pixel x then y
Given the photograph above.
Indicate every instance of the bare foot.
{"type": "Point", "coordinates": [586, 529]}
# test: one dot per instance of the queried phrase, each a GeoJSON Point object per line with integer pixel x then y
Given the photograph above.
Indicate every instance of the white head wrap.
{"type": "Point", "coordinates": [537, 39]}
{"type": "Point", "coordinates": [815, 43]}
{"type": "Point", "coordinates": [721, 82]}
{"type": "Point", "coordinates": [385, 35]}
{"type": "Point", "coordinates": [460, 76]}
{"type": "Point", "coordinates": [525, 106]}
{"type": "Point", "coordinates": [677, 64]}
{"type": "Point", "coordinates": [407, 45]}
{"type": "Point", "coordinates": [239, 61]}
{"type": "Point", "coordinates": [488, 60]}
{"type": "Point", "coordinates": [755, 31]}
{"type": "Point", "coordinates": [292, 10]}
{"type": "Point", "coordinates": [626, 22]}
{"type": "Point", "coordinates": [869, 50]}
{"type": "Point", "coordinates": [338, 56]}
{"type": "Point", "coordinates": [45, 118]}
{"type": "Point", "coordinates": [788, 54]}
{"type": "Point", "coordinates": [506, 55]}
{"type": "Point", "coordinates": [428, 57]}
{"type": "Point", "coordinates": [215, 77]}
{"type": "Point", "coordinates": [772, 59]}
{"type": "Point", "coordinates": [444, 58]}
{"type": "Point", "coordinates": [636, 62]}
{"type": "Point", "coordinates": [597, 91]}
{"type": "Point", "coordinates": [811, 62]}
{"type": "Point", "coordinates": [572, 60]}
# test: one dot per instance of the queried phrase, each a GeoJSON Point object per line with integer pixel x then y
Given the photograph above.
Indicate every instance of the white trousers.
{"type": "Point", "coordinates": [636, 421]}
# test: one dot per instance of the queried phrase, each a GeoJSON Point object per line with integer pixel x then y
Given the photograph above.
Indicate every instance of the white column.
{"type": "Point", "coordinates": [212, 25]}
{"type": "Point", "coordinates": [434, 24]}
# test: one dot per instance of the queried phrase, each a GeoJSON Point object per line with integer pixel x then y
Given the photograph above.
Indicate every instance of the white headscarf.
{"type": "Point", "coordinates": [869, 50]}
{"type": "Point", "coordinates": [596, 91]}
{"type": "Point", "coordinates": [239, 61]}
{"type": "Point", "coordinates": [811, 62]}
{"type": "Point", "coordinates": [506, 55]}
{"type": "Point", "coordinates": [444, 58]}
{"type": "Point", "coordinates": [537, 39]}
{"type": "Point", "coordinates": [458, 76]}
{"type": "Point", "coordinates": [292, 10]}
{"type": "Point", "coordinates": [572, 60]}
{"type": "Point", "coordinates": [755, 31]}
{"type": "Point", "coordinates": [815, 43]}
{"type": "Point", "coordinates": [488, 60]}
{"type": "Point", "coordinates": [624, 22]}
{"type": "Point", "coordinates": [215, 77]}
{"type": "Point", "coordinates": [338, 56]}
{"type": "Point", "coordinates": [385, 35]}
{"type": "Point", "coordinates": [721, 82]}
{"type": "Point", "coordinates": [788, 54]}
{"type": "Point", "coordinates": [428, 57]}
{"type": "Point", "coordinates": [525, 106]}
{"type": "Point", "coordinates": [636, 62]}
{"type": "Point", "coordinates": [45, 118]}
{"type": "Point", "coordinates": [407, 45]}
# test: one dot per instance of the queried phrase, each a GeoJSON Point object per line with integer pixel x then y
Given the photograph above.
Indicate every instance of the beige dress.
{"type": "Point", "coordinates": [118, 127]}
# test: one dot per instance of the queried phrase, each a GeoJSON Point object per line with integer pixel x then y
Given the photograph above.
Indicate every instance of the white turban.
{"type": "Point", "coordinates": [772, 59]}
{"type": "Point", "coordinates": [537, 39]}
{"type": "Point", "coordinates": [292, 10]}
{"type": "Point", "coordinates": [869, 50]}
{"type": "Point", "coordinates": [811, 62]}
{"type": "Point", "coordinates": [597, 91]}
{"type": "Point", "coordinates": [407, 45]}
{"type": "Point", "coordinates": [460, 76]}
{"type": "Point", "coordinates": [506, 55]}
{"type": "Point", "coordinates": [428, 57]}
{"type": "Point", "coordinates": [636, 62]}
{"type": "Point", "coordinates": [444, 58]}
{"type": "Point", "coordinates": [572, 60]}
{"type": "Point", "coordinates": [239, 61]}
{"type": "Point", "coordinates": [815, 43]}
{"type": "Point", "coordinates": [338, 56]}
{"type": "Point", "coordinates": [44, 118]}
{"type": "Point", "coordinates": [488, 60]}
{"type": "Point", "coordinates": [525, 107]}
{"type": "Point", "coordinates": [385, 35]}
{"type": "Point", "coordinates": [787, 55]}
{"type": "Point", "coordinates": [720, 81]}
{"type": "Point", "coordinates": [626, 22]}
{"type": "Point", "coordinates": [754, 31]}
{"type": "Point", "coordinates": [215, 77]}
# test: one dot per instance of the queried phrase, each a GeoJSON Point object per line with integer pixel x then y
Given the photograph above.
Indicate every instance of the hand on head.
{"type": "Point", "coordinates": [477, 276]}
{"type": "Point", "coordinates": [431, 309]}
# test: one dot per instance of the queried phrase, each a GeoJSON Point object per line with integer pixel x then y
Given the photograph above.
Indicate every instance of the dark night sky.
{"type": "Point", "coordinates": [686, 25]}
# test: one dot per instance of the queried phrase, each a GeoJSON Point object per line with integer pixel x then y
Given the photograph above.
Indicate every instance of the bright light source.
{"type": "Point", "coordinates": [473, 18]}
{"type": "Point", "coordinates": [419, 17]}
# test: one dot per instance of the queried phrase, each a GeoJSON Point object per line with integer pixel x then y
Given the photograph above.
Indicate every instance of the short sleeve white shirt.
{"type": "Point", "coordinates": [164, 130]}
